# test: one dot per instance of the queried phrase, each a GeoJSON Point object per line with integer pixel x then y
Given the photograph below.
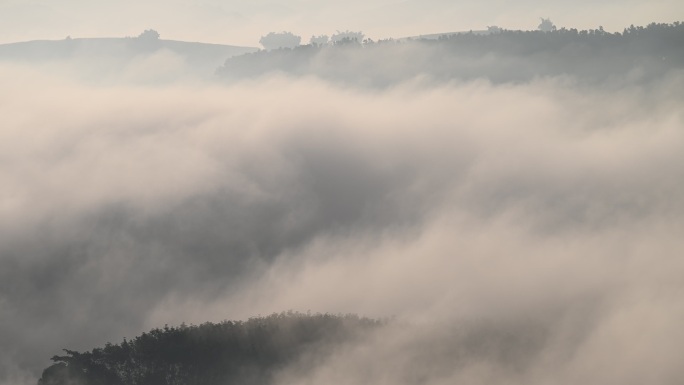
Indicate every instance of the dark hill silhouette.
{"type": "Point", "coordinates": [230, 352]}
{"type": "Point", "coordinates": [636, 55]}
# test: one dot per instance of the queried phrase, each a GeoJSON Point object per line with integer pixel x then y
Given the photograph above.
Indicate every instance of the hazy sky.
{"type": "Point", "coordinates": [243, 22]}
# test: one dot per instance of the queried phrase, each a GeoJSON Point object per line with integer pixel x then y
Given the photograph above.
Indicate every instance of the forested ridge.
{"type": "Point", "coordinates": [640, 53]}
{"type": "Point", "coordinates": [244, 352]}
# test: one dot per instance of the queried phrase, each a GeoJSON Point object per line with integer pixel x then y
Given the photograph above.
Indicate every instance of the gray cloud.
{"type": "Point", "coordinates": [526, 233]}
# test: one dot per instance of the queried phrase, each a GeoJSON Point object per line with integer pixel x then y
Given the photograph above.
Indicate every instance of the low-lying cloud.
{"type": "Point", "coordinates": [522, 233]}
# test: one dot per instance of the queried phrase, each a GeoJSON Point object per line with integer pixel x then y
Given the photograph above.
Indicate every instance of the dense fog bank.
{"type": "Point", "coordinates": [528, 231]}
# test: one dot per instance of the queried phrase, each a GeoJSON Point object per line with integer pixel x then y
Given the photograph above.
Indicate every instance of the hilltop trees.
{"type": "Point", "coordinates": [149, 34]}
{"type": "Point", "coordinates": [319, 40]}
{"type": "Point", "coordinates": [346, 37]}
{"type": "Point", "coordinates": [546, 25]}
{"type": "Point", "coordinates": [147, 41]}
{"type": "Point", "coordinates": [494, 29]}
{"type": "Point", "coordinates": [275, 40]}
{"type": "Point", "coordinates": [249, 352]}
{"type": "Point", "coordinates": [499, 56]}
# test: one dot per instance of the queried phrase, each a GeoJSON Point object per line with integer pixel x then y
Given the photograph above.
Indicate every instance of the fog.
{"type": "Point", "coordinates": [517, 233]}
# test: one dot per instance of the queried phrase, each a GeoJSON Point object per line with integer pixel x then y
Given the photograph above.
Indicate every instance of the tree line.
{"type": "Point", "coordinates": [243, 352]}
{"type": "Point", "coordinates": [498, 55]}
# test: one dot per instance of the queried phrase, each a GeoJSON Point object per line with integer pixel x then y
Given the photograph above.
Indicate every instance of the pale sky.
{"type": "Point", "coordinates": [243, 22]}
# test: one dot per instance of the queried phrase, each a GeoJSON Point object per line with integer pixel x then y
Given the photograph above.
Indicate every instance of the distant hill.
{"type": "Point", "coordinates": [67, 48]}
{"type": "Point", "coordinates": [201, 58]}
{"type": "Point", "coordinates": [639, 54]}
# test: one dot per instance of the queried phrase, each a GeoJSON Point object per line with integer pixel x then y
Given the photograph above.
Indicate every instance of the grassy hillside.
{"type": "Point", "coordinates": [106, 56]}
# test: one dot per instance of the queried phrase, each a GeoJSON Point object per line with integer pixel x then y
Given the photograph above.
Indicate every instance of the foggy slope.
{"type": "Point", "coordinates": [518, 229]}
{"type": "Point", "coordinates": [113, 56]}
{"type": "Point", "coordinates": [639, 54]}
{"type": "Point", "coordinates": [65, 49]}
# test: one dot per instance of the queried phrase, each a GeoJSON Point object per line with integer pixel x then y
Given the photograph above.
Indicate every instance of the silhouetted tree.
{"type": "Point", "coordinates": [245, 353]}
{"type": "Point", "coordinates": [546, 25]}
{"type": "Point", "coordinates": [147, 41]}
{"type": "Point", "coordinates": [319, 40]}
{"type": "Point", "coordinates": [493, 29]}
{"type": "Point", "coordinates": [149, 34]}
{"type": "Point", "coordinates": [346, 37]}
{"type": "Point", "coordinates": [275, 40]}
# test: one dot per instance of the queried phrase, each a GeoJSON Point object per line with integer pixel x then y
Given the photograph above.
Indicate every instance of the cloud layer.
{"type": "Point", "coordinates": [530, 230]}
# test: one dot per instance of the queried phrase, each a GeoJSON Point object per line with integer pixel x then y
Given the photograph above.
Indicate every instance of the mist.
{"type": "Point", "coordinates": [516, 232]}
